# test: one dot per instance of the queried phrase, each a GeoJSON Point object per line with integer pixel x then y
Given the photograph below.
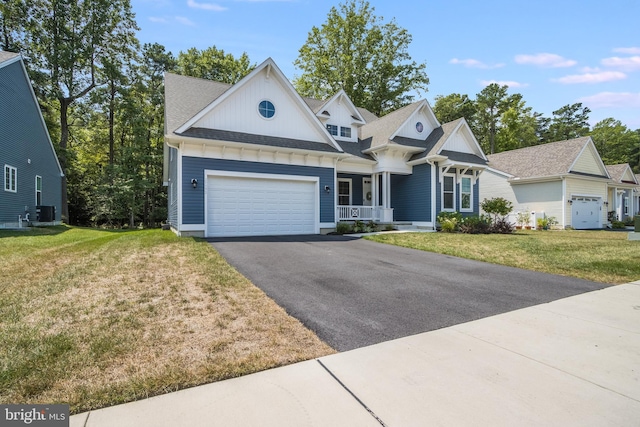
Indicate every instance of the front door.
{"type": "Point", "coordinates": [366, 192]}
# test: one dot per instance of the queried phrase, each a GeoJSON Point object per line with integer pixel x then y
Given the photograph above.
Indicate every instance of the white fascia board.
{"type": "Point", "coordinates": [352, 108]}
{"type": "Point", "coordinates": [16, 58]}
{"type": "Point", "coordinates": [499, 172]}
{"type": "Point", "coordinates": [273, 70]}
{"type": "Point", "coordinates": [592, 145]}
{"type": "Point", "coordinates": [473, 137]}
{"type": "Point", "coordinates": [411, 116]}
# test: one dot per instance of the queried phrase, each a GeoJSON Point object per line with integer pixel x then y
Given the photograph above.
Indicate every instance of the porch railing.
{"type": "Point", "coordinates": [352, 213]}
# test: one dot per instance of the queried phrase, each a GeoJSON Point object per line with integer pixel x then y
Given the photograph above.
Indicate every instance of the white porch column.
{"type": "Point", "coordinates": [374, 190]}
{"type": "Point", "coordinates": [388, 189]}
{"type": "Point", "coordinates": [385, 189]}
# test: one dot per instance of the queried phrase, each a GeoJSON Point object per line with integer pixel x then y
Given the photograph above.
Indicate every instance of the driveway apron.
{"type": "Point", "coordinates": [353, 292]}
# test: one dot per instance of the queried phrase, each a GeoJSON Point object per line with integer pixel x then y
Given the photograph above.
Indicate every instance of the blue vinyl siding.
{"type": "Point", "coordinates": [411, 195]}
{"type": "Point", "coordinates": [194, 167]}
{"type": "Point", "coordinates": [24, 144]}
{"type": "Point", "coordinates": [356, 187]}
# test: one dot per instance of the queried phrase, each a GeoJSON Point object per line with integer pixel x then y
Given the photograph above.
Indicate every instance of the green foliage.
{"type": "Point", "coordinates": [568, 122]}
{"type": "Point", "coordinates": [344, 228]}
{"type": "Point", "coordinates": [213, 64]}
{"type": "Point", "coordinates": [501, 226]}
{"type": "Point", "coordinates": [614, 141]}
{"type": "Point", "coordinates": [475, 225]}
{"type": "Point", "coordinates": [523, 218]}
{"type": "Point", "coordinates": [498, 207]}
{"type": "Point", "coordinates": [452, 107]}
{"type": "Point", "coordinates": [617, 225]}
{"type": "Point", "coordinates": [355, 51]}
{"type": "Point", "coordinates": [449, 221]}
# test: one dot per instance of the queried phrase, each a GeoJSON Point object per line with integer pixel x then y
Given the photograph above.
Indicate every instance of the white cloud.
{"type": "Point", "coordinates": [599, 77]}
{"type": "Point", "coordinates": [185, 21]}
{"type": "Point", "coordinates": [612, 100]}
{"type": "Point", "coordinates": [547, 60]}
{"type": "Point", "coordinates": [628, 50]}
{"type": "Point", "coordinates": [206, 6]}
{"type": "Point", "coordinates": [509, 83]}
{"type": "Point", "coordinates": [474, 63]}
{"type": "Point", "coordinates": [631, 63]}
{"type": "Point", "coordinates": [157, 19]}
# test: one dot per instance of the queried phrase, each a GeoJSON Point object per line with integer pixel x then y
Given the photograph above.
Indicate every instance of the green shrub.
{"type": "Point", "coordinates": [501, 226]}
{"type": "Point", "coordinates": [617, 225]}
{"type": "Point", "coordinates": [475, 225]}
{"type": "Point", "coordinates": [344, 228]}
{"type": "Point", "coordinates": [449, 221]}
{"type": "Point", "coordinates": [371, 227]}
{"type": "Point", "coordinates": [498, 207]}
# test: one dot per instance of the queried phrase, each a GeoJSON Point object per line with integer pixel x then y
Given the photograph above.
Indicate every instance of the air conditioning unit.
{"type": "Point", "coordinates": [45, 213]}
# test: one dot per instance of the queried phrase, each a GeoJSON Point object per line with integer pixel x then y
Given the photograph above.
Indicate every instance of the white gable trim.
{"type": "Point", "coordinates": [275, 72]}
{"type": "Point", "coordinates": [463, 125]}
{"type": "Point", "coordinates": [429, 113]}
{"type": "Point", "coordinates": [592, 146]}
{"type": "Point", "coordinates": [338, 97]}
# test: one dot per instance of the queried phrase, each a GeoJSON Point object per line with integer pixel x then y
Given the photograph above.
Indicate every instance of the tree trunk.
{"type": "Point", "coordinates": [64, 141]}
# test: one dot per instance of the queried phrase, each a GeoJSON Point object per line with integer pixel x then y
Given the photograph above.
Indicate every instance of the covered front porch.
{"type": "Point", "coordinates": [364, 197]}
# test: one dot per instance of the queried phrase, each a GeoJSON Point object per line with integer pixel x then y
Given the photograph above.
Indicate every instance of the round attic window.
{"type": "Point", "coordinates": [266, 109]}
{"type": "Point", "coordinates": [419, 127]}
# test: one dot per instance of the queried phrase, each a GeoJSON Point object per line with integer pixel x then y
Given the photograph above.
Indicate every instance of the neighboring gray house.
{"type": "Point", "coordinates": [255, 158]}
{"type": "Point", "coordinates": [31, 174]}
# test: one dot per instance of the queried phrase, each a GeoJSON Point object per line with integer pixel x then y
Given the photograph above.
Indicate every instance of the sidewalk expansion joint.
{"type": "Point", "coordinates": [352, 394]}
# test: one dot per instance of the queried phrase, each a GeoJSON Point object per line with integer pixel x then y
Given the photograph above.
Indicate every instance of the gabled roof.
{"type": "Point", "coordinates": [339, 97]}
{"type": "Point", "coordinates": [188, 95]}
{"type": "Point", "coordinates": [381, 130]}
{"type": "Point", "coordinates": [622, 173]}
{"type": "Point", "coordinates": [546, 160]}
{"type": "Point", "coordinates": [437, 139]}
{"type": "Point", "coordinates": [6, 56]}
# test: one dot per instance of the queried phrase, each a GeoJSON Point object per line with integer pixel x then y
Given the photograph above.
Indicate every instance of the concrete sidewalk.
{"type": "Point", "coordinates": [571, 362]}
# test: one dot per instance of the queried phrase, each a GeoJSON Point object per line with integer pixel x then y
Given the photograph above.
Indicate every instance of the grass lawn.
{"type": "Point", "coordinates": [94, 318]}
{"type": "Point", "coordinates": [601, 256]}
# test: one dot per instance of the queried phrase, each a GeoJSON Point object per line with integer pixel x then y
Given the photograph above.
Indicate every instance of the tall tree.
{"type": "Point", "coordinates": [568, 122]}
{"type": "Point", "coordinates": [213, 64]}
{"type": "Point", "coordinates": [69, 41]}
{"type": "Point", "coordinates": [614, 141]}
{"type": "Point", "coordinates": [14, 15]}
{"type": "Point", "coordinates": [491, 103]}
{"type": "Point", "coordinates": [452, 107]}
{"type": "Point", "coordinates": [518, 126]}
{"type": "Point", "coordinates": [355, 51]}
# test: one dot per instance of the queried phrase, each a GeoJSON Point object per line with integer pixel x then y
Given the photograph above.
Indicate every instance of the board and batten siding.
{"type": "Point", "coordinates": [586, 187]}
{"type": "Point", "coordinates": [24, 144]}
{"type": "Point", "coordinates": [193, 198]}
{"type": "Point", "coordinates": [408, 130]}
{"type": "Point", "coordinates": [411, 195]}
{"type": "Point", "coordinates": [239, 112]}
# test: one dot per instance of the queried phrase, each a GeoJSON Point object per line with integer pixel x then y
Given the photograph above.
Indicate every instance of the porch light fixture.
{"type": "Point", "coordinates": [327, 189]}
{"type": "Point", "coordinates": [570, 201]}
{"type": "Point", "coordinates": [194, 183]}
{"type": "Point", "coordinates": [606, 203]}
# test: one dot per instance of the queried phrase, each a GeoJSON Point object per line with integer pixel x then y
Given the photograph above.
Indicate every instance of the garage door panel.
{"type": "Point", "coordinates": [239, 206]}
{"type": "Point", "coordinates": [585, 213]}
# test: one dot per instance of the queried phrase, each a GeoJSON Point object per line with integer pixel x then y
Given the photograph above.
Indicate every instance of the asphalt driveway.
{"type": "Point", "coordinates": [353, 292]}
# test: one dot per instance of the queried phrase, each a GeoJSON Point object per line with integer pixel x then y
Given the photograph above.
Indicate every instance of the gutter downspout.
{"type": "Point", "coordinates": [564, 203]}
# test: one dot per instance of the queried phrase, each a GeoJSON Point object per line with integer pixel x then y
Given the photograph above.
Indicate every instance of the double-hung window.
{"type": "Point", "coordinates": [10, 179]}
{"type": "Point", "coordinates": [448, 193]}
{"type": "Point", "coordinates": [345, 132]}
{"type": "Point", "coordinates": [344, 192]}
{"type": "Point", "coordinates": [466, 194]}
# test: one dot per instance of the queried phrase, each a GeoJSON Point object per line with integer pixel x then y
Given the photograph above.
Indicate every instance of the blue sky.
{"type": "Point", "coordinates": [552, 52]}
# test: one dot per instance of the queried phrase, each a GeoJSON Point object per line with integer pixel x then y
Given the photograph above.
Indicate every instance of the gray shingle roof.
{"type": "Point", "coordinates": [380, 130]}
{"type": "Point", "coordinates": [552, 159]}
{"type": "Point", "coordinates": [463, 157]}
{"type": "Point", "coordinates": [223, 135]}
{"type": "Point", "coordinates": [616, 172]}
{"type": "Point", "coordinates": [187, 96]}
{"type": "Point", "coordinates": [5, 56]}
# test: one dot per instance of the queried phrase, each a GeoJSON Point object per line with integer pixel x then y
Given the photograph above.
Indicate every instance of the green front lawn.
{"type": "Point", "coordinates": [601, 256]}
{"type": "Point", "coordinates": [94, 318]}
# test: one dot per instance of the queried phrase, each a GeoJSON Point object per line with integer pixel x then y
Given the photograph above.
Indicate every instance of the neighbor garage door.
{"type": "Point", "coordinates": [585, 213]}
{"type": "Point", "coordinates": [259, 206]}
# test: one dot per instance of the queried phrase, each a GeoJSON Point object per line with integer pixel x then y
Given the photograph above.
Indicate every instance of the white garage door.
{"type": "Point", "coordinates": [251, 206]}
{"type": "Point", "coordinates": [585, 213]}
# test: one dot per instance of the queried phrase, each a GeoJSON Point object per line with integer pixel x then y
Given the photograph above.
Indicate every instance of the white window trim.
{"type": "Point", "coordinates": [442, 208]}
{"type": "Point", "coordinates": [470, 208]}
{"type": "Point", "coordinates": [38, 191]}
{"type": "Point", "coordinates": [350, 190]}
{"type": "Point", "coordinates": [7, 171]}
{"type": "Point", "coordinates": [336, 127]}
